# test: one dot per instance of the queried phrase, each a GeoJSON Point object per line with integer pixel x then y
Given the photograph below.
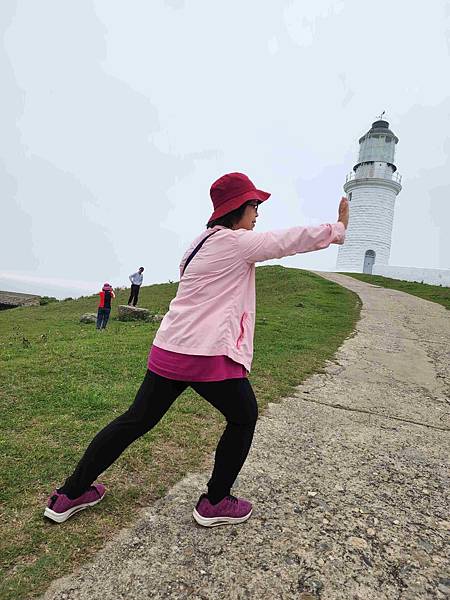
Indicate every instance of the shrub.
{"type": "Point", "coordinates": [43, 300]}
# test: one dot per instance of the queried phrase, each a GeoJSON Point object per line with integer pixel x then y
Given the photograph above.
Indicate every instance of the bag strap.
{"type": "Point", "coordinates": [197, 248]}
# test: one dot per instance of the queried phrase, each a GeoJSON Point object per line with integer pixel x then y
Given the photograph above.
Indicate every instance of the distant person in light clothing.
{"type": "Point", "coordinates": [136, 282]}
{"type": "Point", "coordinates": [104, 307]}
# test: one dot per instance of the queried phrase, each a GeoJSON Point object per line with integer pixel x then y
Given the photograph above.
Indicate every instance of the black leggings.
{"type": "Point", "coordinates": [234, 398]}
{"type": "Point", "coordinates": [134, 294]}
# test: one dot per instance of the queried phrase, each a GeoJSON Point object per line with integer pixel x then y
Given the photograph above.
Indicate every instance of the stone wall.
{"type": "Point", "coordinates": [15, 299]}
{"type": "Point", "coordinates": [431, 276]}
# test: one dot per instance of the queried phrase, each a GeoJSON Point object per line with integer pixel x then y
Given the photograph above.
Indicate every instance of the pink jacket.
{"type": "Point", "coordinates": [213, 312]}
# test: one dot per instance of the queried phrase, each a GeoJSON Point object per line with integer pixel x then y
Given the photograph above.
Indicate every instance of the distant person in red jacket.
{"type": "Point", "coordinates": [104, 307]}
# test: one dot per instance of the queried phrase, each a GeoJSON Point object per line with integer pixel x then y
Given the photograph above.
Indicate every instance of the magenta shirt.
{"type": "Point", "coordinates": [190, 367]}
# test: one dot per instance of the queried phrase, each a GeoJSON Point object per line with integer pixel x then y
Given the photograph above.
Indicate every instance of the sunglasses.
{"type": "Point", "coordinates": [254, 204]}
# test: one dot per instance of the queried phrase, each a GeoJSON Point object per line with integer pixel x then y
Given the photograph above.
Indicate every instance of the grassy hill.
{"type": "Point", "coordinates": [61, 381]}
{"type": "Point", "coordinates": [433, 293]}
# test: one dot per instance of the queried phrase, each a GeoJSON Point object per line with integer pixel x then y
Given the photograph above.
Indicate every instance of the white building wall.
{"type": "Point", "coordinates": [370, 225]}
{"type": "Point", "coordinates": [430, 276]}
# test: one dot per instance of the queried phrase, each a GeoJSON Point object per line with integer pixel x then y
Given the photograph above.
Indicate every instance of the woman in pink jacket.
{"type": "Point", "coordinates": [205, 341]}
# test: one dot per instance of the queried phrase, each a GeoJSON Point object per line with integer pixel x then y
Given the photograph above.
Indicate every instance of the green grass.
{"type": "Point", "coordinates": [433, 293]}
{"type": "Point", "coordinates": [61, 381]}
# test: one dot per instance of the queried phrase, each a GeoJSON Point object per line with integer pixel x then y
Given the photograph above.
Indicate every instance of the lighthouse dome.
{"type": "Point", "coordinates": [377, 145]}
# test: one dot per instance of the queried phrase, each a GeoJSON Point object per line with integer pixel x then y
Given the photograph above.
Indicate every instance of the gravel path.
{"type": "Point", "coordinates": [348, 479]}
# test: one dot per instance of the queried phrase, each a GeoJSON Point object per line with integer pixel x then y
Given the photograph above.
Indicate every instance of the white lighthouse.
{"type": "Point", "coordinates": [371, 188]}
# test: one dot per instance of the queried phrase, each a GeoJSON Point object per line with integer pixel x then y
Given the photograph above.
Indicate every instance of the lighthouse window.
{"type": "Point", "coordinates": [350, 197]}
{"type": "Point", "coordinates": [388, 139]}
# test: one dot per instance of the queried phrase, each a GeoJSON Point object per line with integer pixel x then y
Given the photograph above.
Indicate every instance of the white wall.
{"type": "Point", "coordinates": [370, 226]}
{"type": "Point", "coordinates": [431, 276]}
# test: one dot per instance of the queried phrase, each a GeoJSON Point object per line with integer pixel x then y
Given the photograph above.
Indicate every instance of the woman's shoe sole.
{"type": "Point", "coordinates": [216, 521]}
{"type": "Point", "coordinates": [61, 517]}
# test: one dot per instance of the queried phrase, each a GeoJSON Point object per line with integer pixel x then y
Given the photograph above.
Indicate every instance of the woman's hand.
{"type": "Point", "coordinates": [343, 211]}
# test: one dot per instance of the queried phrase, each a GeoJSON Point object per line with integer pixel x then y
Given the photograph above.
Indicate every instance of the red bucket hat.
{"type": "Point", "coordinates": [231, 191]}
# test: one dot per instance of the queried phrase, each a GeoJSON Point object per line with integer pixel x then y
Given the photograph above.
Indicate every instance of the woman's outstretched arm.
{"type": "Point", "coordinates": [256, 247]}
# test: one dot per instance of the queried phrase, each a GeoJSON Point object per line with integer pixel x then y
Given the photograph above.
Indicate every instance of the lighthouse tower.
{"type": "Point", "coordinates": [371, 189]}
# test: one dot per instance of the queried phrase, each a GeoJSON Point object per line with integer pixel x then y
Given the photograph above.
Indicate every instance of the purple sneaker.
{"type": "Point", "coordinates": [60, 507]}
{"type": "Point", "coordinates": [228, 510]}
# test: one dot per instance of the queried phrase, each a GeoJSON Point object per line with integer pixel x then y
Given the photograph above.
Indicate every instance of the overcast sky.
{"type": "Point", "coordinates": [117, 116]}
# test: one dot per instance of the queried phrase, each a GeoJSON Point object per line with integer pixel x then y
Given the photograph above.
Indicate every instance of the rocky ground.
{"type": "Point", "coordinates": [349, 481]}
